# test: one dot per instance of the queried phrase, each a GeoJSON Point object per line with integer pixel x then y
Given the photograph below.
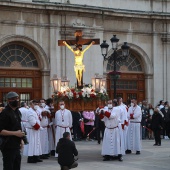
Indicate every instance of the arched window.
{"type": "Point", "coordinates": [18, 56]}
{"type": "Point", "coordinates": [132, 64]}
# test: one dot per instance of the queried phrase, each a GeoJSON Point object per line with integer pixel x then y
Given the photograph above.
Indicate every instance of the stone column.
{"type": "Point", "coordinates": [166, 60]}
{"type": "Point", "coordinates": [148, 88]}
{"type": "Point", "coordinates": [46, 84]}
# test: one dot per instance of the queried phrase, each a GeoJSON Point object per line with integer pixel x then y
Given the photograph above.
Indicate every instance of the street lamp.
{"type": "Point", "coordinates": [115, 56]}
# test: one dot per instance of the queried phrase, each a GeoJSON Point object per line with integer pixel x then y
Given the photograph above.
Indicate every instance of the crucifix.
{"type": "Point", "coordinates": [79, 67]}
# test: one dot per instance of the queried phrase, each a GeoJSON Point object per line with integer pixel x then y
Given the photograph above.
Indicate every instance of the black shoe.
{"type": "Point", "coordinates": [64, 168]}
{"type": "Point", "coordinates": [137, 152]}
{"type": "Point", "coordinates": [47, 155]}
{"type": "Point", "coordinates": [98, 141]}
{"type": "Point", "coordinates": [106, 158]}
{"type": "Point", "coordinates": [114, 157]}
{"type": "Point", "coordinates": [43, 157]}
{"type": "Point", "coordinates": [53, 153]}
{"type": "Point", "coordinates": [31, 159]}
{"type": "Point", "coordinates": [128, 151]}
{"type": "Point", "coordinates": [155, 144]}
{"type": "Point", "coordinates": [121, 159]}
{"type": "Point", "coordinates": [159, 144]}
{"type": "Point", "coordinates": [37, 158]}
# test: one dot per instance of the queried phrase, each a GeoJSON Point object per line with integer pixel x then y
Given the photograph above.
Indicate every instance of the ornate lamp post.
{"type": "Point", "coordinates": [96, 82]}
{"type": "Point", "coordinates": [56, 83]}
{"type": "Point", "coordinates": [64, 84]}
{"type": "Point", "coordinates": [115, 56]}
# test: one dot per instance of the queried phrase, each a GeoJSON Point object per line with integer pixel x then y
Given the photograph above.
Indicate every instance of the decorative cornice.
{"type": "Point", "coordinates": [56, 8]}
{"type": "Point", "coordinates": [68, 31]}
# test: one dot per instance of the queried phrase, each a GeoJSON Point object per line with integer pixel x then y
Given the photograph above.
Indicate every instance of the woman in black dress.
{"type": "Point", "coordinates": [157, 127]}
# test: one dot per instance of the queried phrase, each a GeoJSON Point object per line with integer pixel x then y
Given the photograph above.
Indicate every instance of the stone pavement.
{"type": "Point", "coordinates": [151, 158]}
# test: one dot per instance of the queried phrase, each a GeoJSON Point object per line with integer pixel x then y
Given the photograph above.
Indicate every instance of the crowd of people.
{"type": "Point", "coordinates": [43, 131]}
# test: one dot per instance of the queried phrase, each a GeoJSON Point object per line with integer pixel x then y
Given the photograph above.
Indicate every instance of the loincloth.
{"type": "Point", "coordinates": [79, 67]}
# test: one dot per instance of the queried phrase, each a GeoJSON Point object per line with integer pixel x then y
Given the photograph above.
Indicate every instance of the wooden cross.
{"type": "Point", "coordinates": [79, 41]}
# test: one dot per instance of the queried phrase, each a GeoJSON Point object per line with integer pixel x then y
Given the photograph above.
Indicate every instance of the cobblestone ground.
{"type": "Point", "coordinates": [151, 158]}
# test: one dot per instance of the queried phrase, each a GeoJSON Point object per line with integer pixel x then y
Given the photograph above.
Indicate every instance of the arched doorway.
{"type": "Point", "coordinates": [132, 79]}
{"type": "Point", "coordinates": [19, 72]}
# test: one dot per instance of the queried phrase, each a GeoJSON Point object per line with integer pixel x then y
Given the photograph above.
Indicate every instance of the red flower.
{"type": "Point", "coordinates": [80, 93]}
{"type": "Point", "coordinates": [59, 94]}
{"type": "Point", "coordinates": [92, 96]}
{"type": "Point", "coordinates": [72, 90]}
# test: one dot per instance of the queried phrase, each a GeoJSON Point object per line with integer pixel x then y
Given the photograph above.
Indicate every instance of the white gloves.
{"type": "Point", "coordinates": [50, 123]}
{"type": "Point", "coordinates": [41, 128]}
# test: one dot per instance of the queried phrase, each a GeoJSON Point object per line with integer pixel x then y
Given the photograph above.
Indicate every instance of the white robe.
{"type": "Point", "coordinates": [51, 135]}
{"type": "Point", "coordinates": [24, 113]}
{"type": "Point", "coordinates": [44, 133]}
{"type": "Point", "coordinates": [34, 146]}
{"type": "Point", "coordinates": [133, 133]}
{"type": "Point", "coordinates": [124, 118]}
{"type": "Point", "coordinates": [121, 131]}
{"type": "Point", "coordinates": [111, 141]}
{"type": "Point", "coordinates": [62, 126]}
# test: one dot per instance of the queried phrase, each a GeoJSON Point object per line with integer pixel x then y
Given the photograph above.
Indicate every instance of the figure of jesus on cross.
{"type": "Point", "coordinates": [79, 67]}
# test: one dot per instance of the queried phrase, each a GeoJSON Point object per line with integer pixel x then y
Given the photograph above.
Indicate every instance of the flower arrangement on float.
{"type": "Point", "coordinates": [87, 93]}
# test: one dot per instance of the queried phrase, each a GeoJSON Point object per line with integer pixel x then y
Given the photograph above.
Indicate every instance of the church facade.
{"type": "Point", "coordinates": [30, 55]}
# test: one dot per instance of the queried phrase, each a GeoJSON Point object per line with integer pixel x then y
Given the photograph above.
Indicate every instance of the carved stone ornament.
{"type": "Point", "coordinates": [123, 68]}
{"type": "Point", "coordinates": [16, 64]}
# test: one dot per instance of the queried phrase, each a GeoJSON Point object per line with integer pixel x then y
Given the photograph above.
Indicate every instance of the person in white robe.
{"type": "Point", "coordinates": [111, 141]}
{"type": "Point", "coordinates": [44, 132]}
{"type": "Point", "coordinates": [51, 128]}
{"type": "Point", "coordinates": [63, 122]}
{"type": "Point", "coordinates": [24, 113]}
{"type": "Point", "coordinates": [33, 149]}
{"type": "Point", "coordinates": [123, 123]}
{"type": "Point", "coordinates": [134, 129]}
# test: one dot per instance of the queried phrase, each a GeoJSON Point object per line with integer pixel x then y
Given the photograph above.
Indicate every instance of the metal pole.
{"type": "Point", "coordinates": [115, 59]}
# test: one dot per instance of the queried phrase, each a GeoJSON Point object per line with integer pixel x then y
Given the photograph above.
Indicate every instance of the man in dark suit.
{"type": "Point", "coordinates": [145, 116]}
{"type": "Point", "coordinates": [166, 120]}
{"type": "Point", "coordinates": [66, 150]}
{"type": "Point", "coordinates": [77, 118]}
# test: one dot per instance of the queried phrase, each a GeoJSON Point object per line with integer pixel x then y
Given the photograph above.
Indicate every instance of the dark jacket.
{"type": "Point", "coordinates": [11, 120]}
{"type": "Point", "coordinates": [166, 114]}
{"type": "Point", "coordinates": [156, 121]}
{"type": "Point", "coordinates": [76, 117]}
{"type": "Point", "coordinates": [98, 123]}
{"type": "Point", "coordinates": [145, 115]}
{"type": "Point", "coordinates": [66, 150]}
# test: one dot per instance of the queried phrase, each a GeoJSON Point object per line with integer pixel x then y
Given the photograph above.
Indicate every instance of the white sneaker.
{"type": "Point", "coordinates": [166, 137]}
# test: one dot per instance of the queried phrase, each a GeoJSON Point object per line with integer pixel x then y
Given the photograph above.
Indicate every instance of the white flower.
{"type": "Point", "coordinates": [88, 95]}
{"type": "Point", "coordinates": [70, 95]}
